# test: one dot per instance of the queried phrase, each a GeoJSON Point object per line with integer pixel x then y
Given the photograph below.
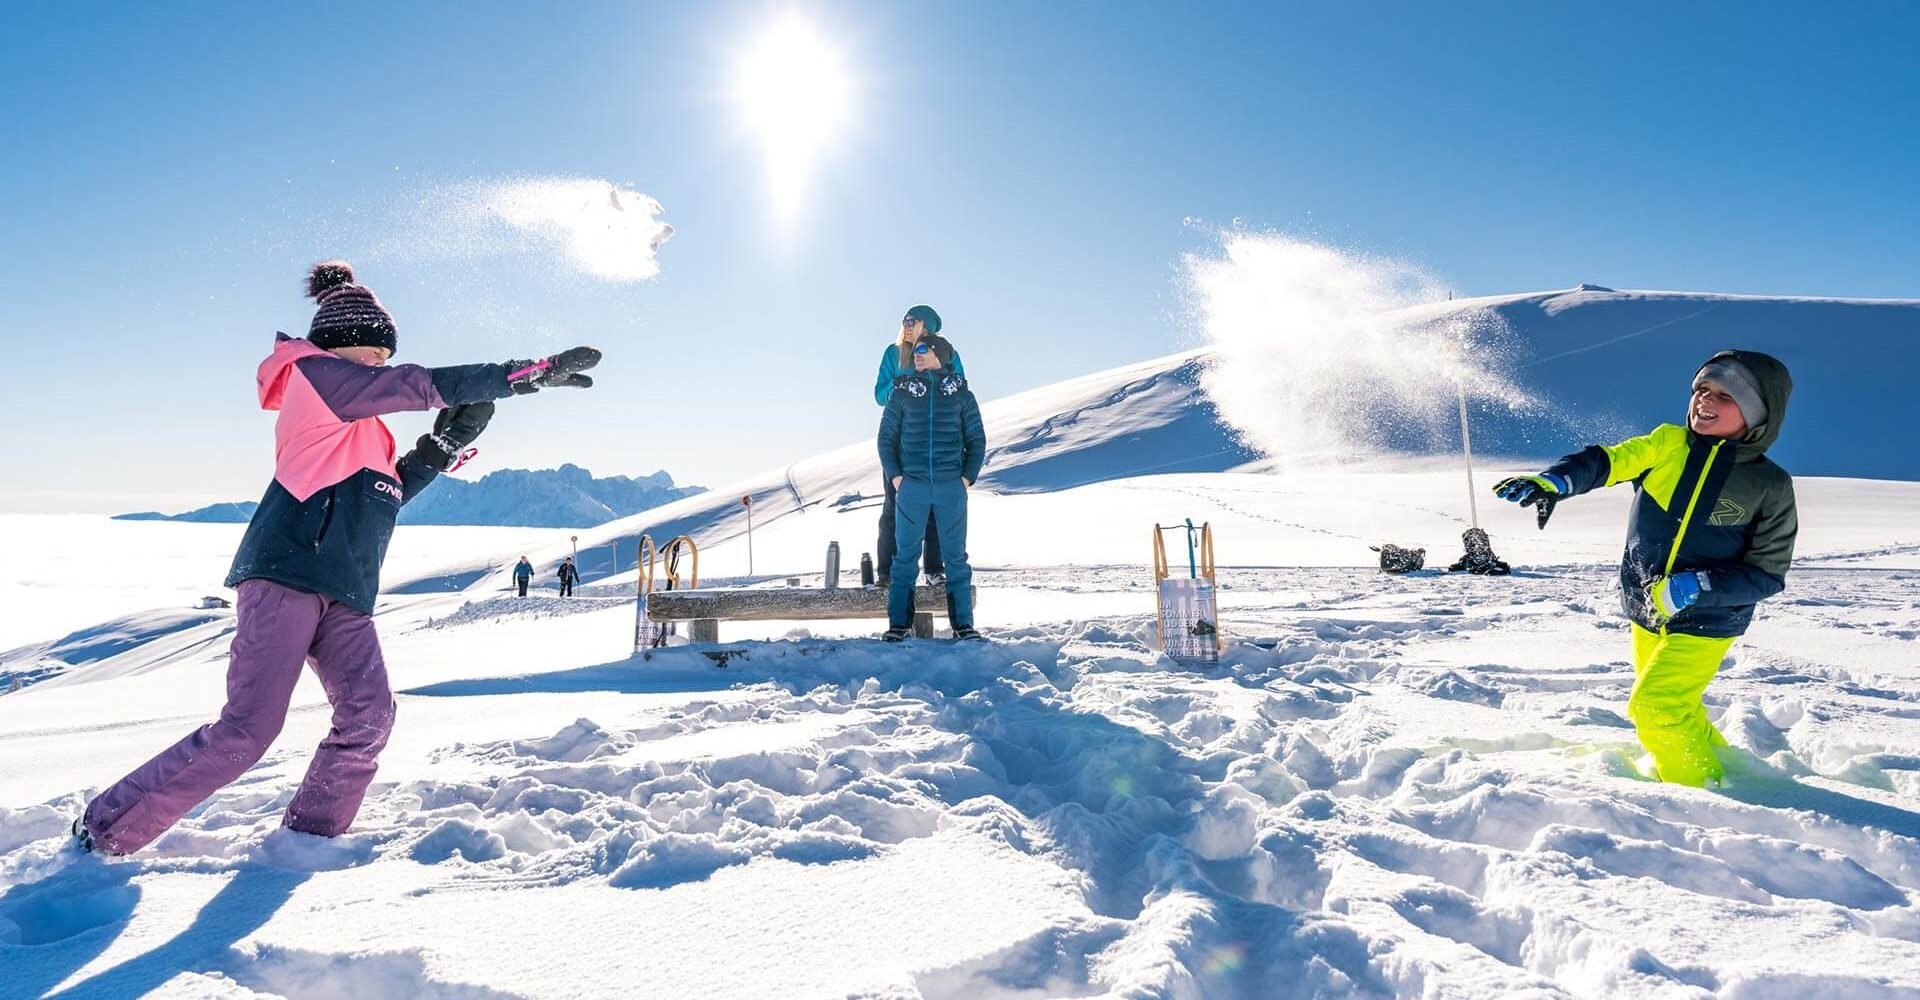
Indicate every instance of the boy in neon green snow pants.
{"type": "Point", "coordinates": [1710, 535]}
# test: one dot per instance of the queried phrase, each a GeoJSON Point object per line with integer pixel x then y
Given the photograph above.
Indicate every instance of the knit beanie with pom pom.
{"type": "Point", "coordinates": [350, 315]}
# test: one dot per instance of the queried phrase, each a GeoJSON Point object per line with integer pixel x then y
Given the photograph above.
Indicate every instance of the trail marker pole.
{"type": "Point", "coordinates": [747, 502]}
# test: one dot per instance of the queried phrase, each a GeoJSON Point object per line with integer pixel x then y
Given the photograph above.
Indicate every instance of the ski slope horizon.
{"type": "Point", "coordinates": [1585, 350]}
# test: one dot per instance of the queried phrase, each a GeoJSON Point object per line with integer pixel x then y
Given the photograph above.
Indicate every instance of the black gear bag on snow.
{"type": "Point", "coordinates": [1394, 559]}
{"type": "Point", "coordinates": [1479, 558]}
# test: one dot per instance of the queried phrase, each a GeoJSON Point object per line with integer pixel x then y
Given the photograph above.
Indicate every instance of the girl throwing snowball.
{"type": "Point", "coordinates": [308, 567]}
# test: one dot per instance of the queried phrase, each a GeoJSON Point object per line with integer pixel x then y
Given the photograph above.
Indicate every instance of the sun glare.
{"type": "Point", "coordinates": [794, 93]}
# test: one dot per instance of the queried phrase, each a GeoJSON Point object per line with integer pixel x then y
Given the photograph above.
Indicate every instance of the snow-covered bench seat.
{"type": "Point", "coordinates": [707, 607]}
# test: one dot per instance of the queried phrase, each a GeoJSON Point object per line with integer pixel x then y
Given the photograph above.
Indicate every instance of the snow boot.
{"type": "Point", "coordinates": [83, 838]}
{"type": "Point", "coordinates": [895, 634]}
{"type": "Point", "coordinates": [968, 635]}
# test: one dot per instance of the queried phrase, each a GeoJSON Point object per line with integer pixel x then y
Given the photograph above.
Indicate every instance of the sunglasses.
{"type": "Point", "coordinates": [909, 320]}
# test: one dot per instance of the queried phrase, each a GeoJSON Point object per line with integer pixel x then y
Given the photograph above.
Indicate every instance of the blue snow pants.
{"type": "Point", "coordinates": [946, 504]}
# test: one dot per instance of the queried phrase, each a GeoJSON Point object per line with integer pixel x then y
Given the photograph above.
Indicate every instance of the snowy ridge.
{"type": "Point", "coordinates": [1140, 419]}
{"type": "Point", "coordinates": [110, 649]}
{"type": "Point", "coordinates": [1609, 364]}
{"type": "Point", "coordinates": [1620, 360]}
{"type": "Point", "coordinates": [568, 496]}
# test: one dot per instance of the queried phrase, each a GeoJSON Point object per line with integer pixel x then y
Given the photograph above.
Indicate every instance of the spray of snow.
{"type": "Point", "coordinates": [607, 231]}
{"type": "Point", "coordinates": [1318, 358]}
{"type": "Point", "coordinates": [593, 227]}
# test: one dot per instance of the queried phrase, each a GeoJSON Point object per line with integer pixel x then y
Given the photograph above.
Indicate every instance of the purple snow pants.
{"type": "Point", "coordinates": [277, 629]}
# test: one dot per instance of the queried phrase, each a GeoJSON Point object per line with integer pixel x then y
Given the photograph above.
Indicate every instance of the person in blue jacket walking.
{"type": "Point", "coordinates": [919, 322]}
{"type": "Point", "coordinates": [932, 446]}
{"type": "Point", "coordinates": [522, 575]}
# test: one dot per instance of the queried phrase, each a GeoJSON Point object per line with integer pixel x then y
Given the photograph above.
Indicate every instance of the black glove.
{"type": "Point", "coordinates": [559, 371]}
{"type": "Point", "coordinates": [1541, 491]}
{"type": "Point", "coordinates": [453, 430]}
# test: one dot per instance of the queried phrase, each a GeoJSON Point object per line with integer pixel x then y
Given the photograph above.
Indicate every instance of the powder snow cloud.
{"type": "Point", "coordinates": [585, 225]}
{"type": "Point", "coordinates": [1317, 355]}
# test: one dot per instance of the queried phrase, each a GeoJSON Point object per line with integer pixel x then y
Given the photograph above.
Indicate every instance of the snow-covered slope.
{"type": "Point", "coordinates": [1616, 362]}
{"type": "Point", "coordinates": [71, 583]}
{"type": "Point", "coordinates": [1390, 786]}
{"type": "Point", "coordinates": [1591, 364]}
{"type": "Point", "coordinates": [1131, 421]}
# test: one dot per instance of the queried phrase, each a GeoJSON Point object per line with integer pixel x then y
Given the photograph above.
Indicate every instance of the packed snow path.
{"type": "Point", "coordinates": [1417, 786]}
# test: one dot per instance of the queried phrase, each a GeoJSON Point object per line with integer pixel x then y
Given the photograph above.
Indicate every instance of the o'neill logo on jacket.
{"type": "Point", "coordinates": [383, 486]}
{"type": "Point", "coordinates": [1727, 512]}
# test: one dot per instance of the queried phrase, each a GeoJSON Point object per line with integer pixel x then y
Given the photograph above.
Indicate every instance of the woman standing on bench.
{"type": "Point", "coordinates": [897, 359]}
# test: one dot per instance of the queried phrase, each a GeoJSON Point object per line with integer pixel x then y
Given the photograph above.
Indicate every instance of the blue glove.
{"type": "Point", "coordinates": [1542, 491]}
{"type": "Point", "coordinates": [1670, 595]}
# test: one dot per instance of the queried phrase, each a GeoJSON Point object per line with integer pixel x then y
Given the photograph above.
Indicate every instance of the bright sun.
{"type": "Point", "coordinates": [794, 94]}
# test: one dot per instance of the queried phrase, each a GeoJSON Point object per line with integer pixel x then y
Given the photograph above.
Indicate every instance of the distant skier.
{"type": "Point", "coordinates": [568, 577]}
{"type": "Point", "coordinates": [932, 445]}
{"type": "Point", "coordinates": [919, 322]}
{"type": "Point", "coordinates": [308, 567]}
{"type": "Point", "coordinates": [1710, 534]}
{"type": "Point", "coordinates": [523, 574]}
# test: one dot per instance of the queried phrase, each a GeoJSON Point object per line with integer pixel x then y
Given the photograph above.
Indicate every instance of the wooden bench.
{"type": "Point", "coordinates": [707, 607]}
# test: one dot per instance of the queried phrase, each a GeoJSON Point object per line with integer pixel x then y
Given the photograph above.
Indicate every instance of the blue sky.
{"type": "Point", "coordinates": [1029, 169]}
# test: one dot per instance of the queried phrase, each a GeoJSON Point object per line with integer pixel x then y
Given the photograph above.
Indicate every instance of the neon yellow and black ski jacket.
{"type": "Point", "coordinates": [1702, 504]}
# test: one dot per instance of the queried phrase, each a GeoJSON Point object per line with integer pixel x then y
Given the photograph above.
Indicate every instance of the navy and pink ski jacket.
{"type": "Point", "coordinates": [326, 518]}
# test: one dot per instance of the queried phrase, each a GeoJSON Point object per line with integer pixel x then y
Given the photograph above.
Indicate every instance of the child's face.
{"type": "Point", "coordinates": [1713, 413]}
{"type": "Point", "coordinates": [372, 357]}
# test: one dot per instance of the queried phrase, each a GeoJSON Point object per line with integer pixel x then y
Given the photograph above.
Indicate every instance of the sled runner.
{"type": "Point", "coordinates": [647, 632]}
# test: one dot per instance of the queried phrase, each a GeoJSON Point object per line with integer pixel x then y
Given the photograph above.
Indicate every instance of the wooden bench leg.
{"type": "Point", "coordinates": [704, 630]}
{"type": "Point", "coordinates": [923, 624]}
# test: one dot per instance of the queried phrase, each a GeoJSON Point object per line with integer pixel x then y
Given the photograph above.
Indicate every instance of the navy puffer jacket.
{"type": "Point", "coordinates": [931, 431]}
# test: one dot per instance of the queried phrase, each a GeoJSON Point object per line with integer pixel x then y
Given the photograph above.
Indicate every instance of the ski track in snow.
{"type": "Point", "coordinates": [1390, 786]}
